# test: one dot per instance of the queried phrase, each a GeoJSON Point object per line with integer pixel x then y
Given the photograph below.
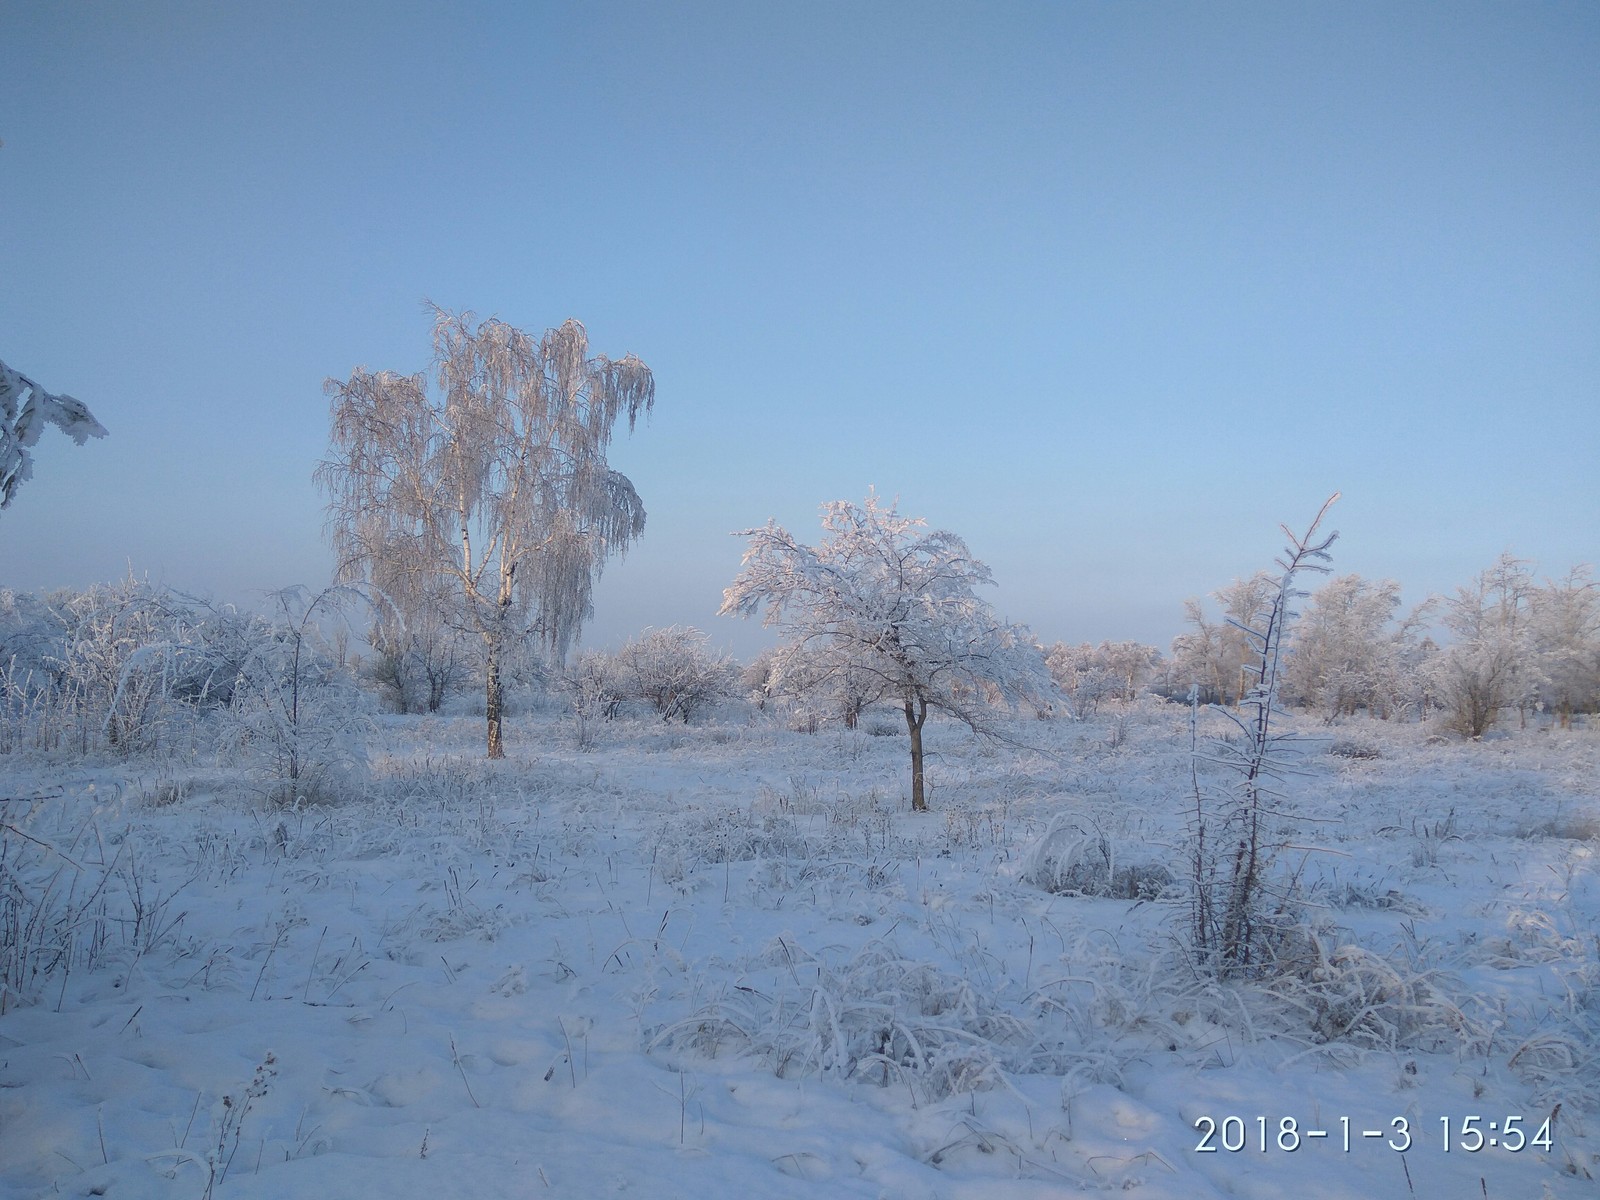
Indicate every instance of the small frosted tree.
{"type": "Point", "coordinates": [675, 671]}
{"type": "Point", "coordinates": [490, 487]}
{"type": "Point", "coordinates": [1565, 621]}
{"type": "Point", "coordinates": [1090, 675]}
{"type": "Point", "coordinates": [416, 664]}
{"type": "Point", "coordinates": [295, 712]}
{"type": "Point", "coordinates": [823, 690]}
{"type": "Point", "coordinates": [1218, 655]}
{"type": "Point", "coordinates": [1082, 677]}
{"type": "Point", "coordinates": [1490, 663]}
{"type": "Point", "coordinates": [880, 599]}
{"type": "Point", "coordinates": [1349, 650]}
{"type": "Point", "coordinates": [1230, 848]}
{"type": "Point", "coordinates": [1133, 664]}
{"type": "Point", "coordinates": [25, 409]}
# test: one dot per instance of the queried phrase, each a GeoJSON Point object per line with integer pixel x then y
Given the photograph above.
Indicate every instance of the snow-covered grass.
{"type": "Point", "coordinates": [726, 959]}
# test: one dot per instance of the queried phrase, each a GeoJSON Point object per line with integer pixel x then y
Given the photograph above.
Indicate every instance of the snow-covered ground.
{"type": "Point", "coordinates": [726, 960]}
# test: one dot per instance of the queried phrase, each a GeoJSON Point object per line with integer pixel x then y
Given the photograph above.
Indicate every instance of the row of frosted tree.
{"type": "Point", "coordinates": [130, 665]}
{"type": "Point", "coordinates": [472, 509]}
{"type": "Point", "coordinates": [1505, 642]}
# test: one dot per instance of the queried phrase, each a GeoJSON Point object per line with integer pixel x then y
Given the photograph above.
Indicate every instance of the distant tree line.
{"type": "Point", "coordinates": [1507, 643]}
{"type": "Point", "coordinates": [130, 666]}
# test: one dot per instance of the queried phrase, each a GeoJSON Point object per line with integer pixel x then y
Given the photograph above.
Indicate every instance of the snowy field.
{"type": "Point", "coordinates": [726, 960]}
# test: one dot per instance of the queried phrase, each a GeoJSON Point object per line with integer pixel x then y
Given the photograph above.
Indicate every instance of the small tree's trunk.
{"type": "Point", "coordinates": [916, 714]}
{"type": "Point", "coordinates": [492, 704]}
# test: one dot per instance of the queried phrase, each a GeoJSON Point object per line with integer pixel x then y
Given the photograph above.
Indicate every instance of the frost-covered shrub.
{"type": "Point", "coordinates": [1071, 859]}
{"type": "Point", "coordinates": [116, 666]}
{"type": "Point", "coordinates": [33, 710]}
{"type": "Point", "coordinates": [32, 635]}
{"type": "Point", "coordinates": [27, 712]}
{"type": "Point", "coordinates": [296, 715]}
{"type": "Point", "coordinates": [1348, 993]}
{"type": "Point", "coordinates": [126, 649]}
{"type": "Point", "coordinates": [595, 692]}
{"type": "Point", "coordinates": [879, 1017]}
{"type": "Point", "coordinates": [416, 667]}
{"type": "Point", "coordinates": [222, 640]}
{"type": "Point", "coordinates": [725, 834]}
{"type": "Point", "coordinates": [675, 671]}
{"type": "Point", "coordinates": [1354, 748]}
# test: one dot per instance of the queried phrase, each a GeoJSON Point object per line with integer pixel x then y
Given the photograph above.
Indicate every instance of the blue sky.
{"type": "Point", "coordinates": [1109, 290]}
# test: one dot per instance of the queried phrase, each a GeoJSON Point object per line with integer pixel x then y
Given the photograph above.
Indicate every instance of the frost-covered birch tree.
{"type": "Point", "coordinates": [487, 484]}
{"type": "Point", "coordinates": [880, 599]}
{"type": "Point", "coordinates": [25, 409]}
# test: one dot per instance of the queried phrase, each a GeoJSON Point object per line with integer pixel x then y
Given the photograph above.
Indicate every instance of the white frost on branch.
{"type": "Point", "coordinates": [25, 409]}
